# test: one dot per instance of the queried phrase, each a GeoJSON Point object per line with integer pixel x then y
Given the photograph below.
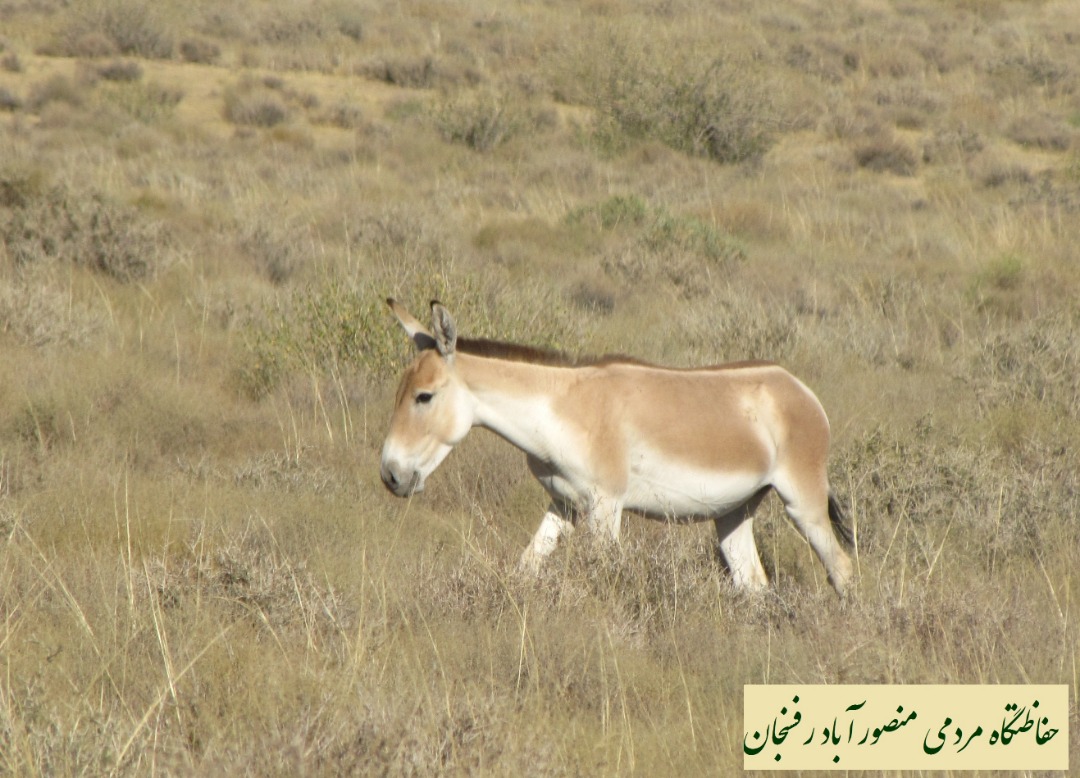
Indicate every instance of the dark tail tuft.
{"type": "Point", "coordinates": [839, 521]}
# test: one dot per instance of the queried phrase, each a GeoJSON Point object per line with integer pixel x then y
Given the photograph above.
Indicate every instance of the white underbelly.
{"type": "Point", "coordinates": [673, 490]}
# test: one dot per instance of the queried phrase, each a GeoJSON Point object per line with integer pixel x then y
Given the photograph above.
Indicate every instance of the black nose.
{"type": "Point", "coordinates": [389, 477]}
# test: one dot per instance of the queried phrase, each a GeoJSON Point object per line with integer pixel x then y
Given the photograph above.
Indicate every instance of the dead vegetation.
{"type": "Point", "coordinates": [201, 211]}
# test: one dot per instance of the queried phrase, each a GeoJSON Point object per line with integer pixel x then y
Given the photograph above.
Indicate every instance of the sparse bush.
{"type": "Point", "coordinates": [1034, 360]}
{"type": "Point", "coordinates": [255, 108]}
{"type": "Point", "coordinates": [681, 250]}
{"type": "Point", "coordinates": [418, 72]}
{"type": "Point", "coordinates": [887, 155]}
{"type": "Point", "coordinates": [720, 109]}
{"type": "Point", "coordinates": [480, 120]}
{"type": "Point", "coordinates": [278, 253]}
{"type": "Point", "coordinates": [1041, 132]}
{"type": "Point", "coordinates": [148, 103]}
{"type": "Point", "coordinates": [344, 115]}
{"type": "Point", "coordinates": [57, 89]}
{"type": "Point", "coordinates": [34, 312]}
{"type": "Point", "coordinates": [626, 211]}
{"type": "Point", "coordinates": [325, 329]}
{"type": "Point", "coordinates": [199, 51]}
{"type": "Point", "coordinates": [9, 101]}
{"type": "Point", "coordinates": [137, 28]}
{"type": "Point", "coordinates": [85, 229]}
{"type": "Point", "coordinates": [121, 70]}
{"type": "Point", "coordinates": [350, 21]}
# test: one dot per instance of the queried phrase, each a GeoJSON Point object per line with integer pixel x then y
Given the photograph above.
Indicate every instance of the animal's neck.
{"type": "Point", "coordinates": [514, 400]}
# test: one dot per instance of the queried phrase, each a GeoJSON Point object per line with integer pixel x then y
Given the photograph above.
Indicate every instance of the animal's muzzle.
{"type": "Point", "coordinates": [399, 483]}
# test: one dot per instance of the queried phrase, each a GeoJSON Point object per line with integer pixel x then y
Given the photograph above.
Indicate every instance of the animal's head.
{"type": "Point", "coordinates": [432, 409]}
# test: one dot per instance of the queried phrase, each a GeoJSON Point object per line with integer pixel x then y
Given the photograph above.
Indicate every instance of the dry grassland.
{"type": "Point", "coordinates": [202, 206]}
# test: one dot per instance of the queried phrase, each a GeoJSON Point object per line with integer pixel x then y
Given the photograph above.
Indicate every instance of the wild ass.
{"type": "Point", "coordinates": [615, 434]}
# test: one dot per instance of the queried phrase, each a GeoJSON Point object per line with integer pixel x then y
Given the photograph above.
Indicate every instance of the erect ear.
{"type": "Point", "coordinates": [416, 331]}
{"type": "Point", "coordinates": [445, 329]}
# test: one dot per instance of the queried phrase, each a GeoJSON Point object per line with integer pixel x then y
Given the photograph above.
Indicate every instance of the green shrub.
{"type": "Point", "coordinates": [659, 231]}
{"type": "Point", "coordinates": [328, 328]}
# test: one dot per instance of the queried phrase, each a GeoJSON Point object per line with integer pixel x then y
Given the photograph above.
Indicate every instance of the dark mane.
{"type": "Point", "coordinates": [516, 352]}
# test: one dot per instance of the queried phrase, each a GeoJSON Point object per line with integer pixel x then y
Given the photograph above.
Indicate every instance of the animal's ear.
{"type": "Point", "coordinates": [416, 331]}
{"type": "Point", "coordinates": [445, 329]}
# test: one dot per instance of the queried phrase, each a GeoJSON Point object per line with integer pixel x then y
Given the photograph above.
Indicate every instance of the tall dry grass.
{"type": "Point", "coordinates": [201, 209]}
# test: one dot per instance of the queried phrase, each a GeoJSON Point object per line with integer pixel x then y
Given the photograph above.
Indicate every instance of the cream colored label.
{"type": "Point", "coordinates": [901, 727]}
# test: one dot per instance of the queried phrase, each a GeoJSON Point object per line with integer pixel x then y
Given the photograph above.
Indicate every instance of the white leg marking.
{"type": "Point", "coordinates": [546, 539]}
{"type": "Point", "coordinates": [604, 519]}
{"type": "Point", "coordinates": [736, 533]}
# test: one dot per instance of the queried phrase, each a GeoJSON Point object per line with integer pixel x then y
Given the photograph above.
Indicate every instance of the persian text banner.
{"type": "Point", "coordinates": [906, 727]}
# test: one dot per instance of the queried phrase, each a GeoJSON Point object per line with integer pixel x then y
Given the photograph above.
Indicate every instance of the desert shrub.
{"type": "Point", "coordinates": [346, 116]}
{"type": "Point", "coordinates": [1017, 72]}
{"type": "Point", "coordinates": [277, 251]}
{"type": "Point", "coordinates": [56, 89]}
{"type": "Point", "coordinates": [1034, 360]}
{"type": "Point", "coordinates": [258, 108]}
{"type": "Point", "coordinates": [9, 101]}
{"type": "Point", "coordinates": [726, 325]}
{"type": "Point", "coordinates": [326, 328]}
{"type": "Point", "coordinates": [688, 234]}
{"type": "Point", "coordinates": [84, 229]}
{"type": "Point", "coordinates": [718, 108]}
{"type": "Point", "coordinates": [616, 211]}
{"type": "Point", "coordinates": [199, 51]}
{"type": "Point", "coordinates": [290, 25]}
{"type": "Point", "coordinates": [886, 154]}
{"type": "Point", "coordinates": [335, 325]}
{"type": "Point", "coordinates": [1041, 132]}
{"type": "Point", "coordinates": [916, 482]}
{"type": "Point", "coordinates": [657, 228]}
{"type": "Point", "coordinates": [481, 120]}
{"type": "Point", "coordinates": [34, 312]}
{"type": "Point", "coordinates": [952, 145]}
{"type": "Point", "coordinates": [139, 28]}
{"type": "Point", "coordinates": [121, 70]}
{"type": "Point", "coordinates": [349, 20]}
{"type": "Point", "coordinates": [146, 102]}
{"type": "Point", "coordinates": [11, 63]}
{"type": "Point", "coordinates": [412, 73]}
{"type": "Point", "coordinates": [658, 245]}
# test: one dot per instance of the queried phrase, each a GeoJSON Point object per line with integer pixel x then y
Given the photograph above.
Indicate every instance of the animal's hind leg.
{"type": "Point", "coordinates": [552, 526]}
{"type": "Point", "coordinates": [807, 504]}
{"type": "Point", "coordinates": [736, 534]}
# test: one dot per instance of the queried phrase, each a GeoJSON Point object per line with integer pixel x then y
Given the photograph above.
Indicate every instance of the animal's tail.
{"type": "Point", "coordinates": [839, 521]}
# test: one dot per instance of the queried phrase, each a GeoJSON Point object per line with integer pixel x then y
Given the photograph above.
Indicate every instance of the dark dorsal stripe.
{"type": "Point", "coordinates": [516, 352]}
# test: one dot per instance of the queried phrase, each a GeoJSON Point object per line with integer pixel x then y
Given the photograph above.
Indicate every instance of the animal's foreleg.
{"type": "Point", "coordinates": [604, 519]}
{"type": "Point", "coordinates": [552, 526]}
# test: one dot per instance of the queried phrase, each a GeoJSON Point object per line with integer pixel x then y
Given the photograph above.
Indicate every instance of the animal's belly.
{"type": "Point", "coordinates": [674, 491]}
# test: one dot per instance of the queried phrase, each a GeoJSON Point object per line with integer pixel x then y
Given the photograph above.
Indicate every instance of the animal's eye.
{"type": "Point", "coordinates": [423, 398]}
